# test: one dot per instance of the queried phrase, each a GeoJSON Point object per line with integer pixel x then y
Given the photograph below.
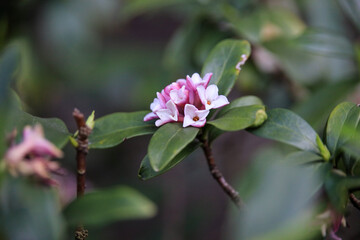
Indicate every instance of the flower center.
{"type": "Point", "coordinates": [208, 102]}
{"type": "Point", "coordinates": [196, 118]}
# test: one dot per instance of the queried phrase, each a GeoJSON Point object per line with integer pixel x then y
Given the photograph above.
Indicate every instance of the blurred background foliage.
{"type": "Point", "coordinates": [113, 55]}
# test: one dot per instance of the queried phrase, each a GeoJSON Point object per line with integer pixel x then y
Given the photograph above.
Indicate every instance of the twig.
{"type": "Point", "coordinates": [81, 152]}
{"type": "Point", "coordinates": [230, 191]}
{"type": "Point", "coordinates": [355, 202]}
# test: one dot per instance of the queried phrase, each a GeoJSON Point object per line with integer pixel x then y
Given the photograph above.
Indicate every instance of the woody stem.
{"type": "Point", "coordinates": [81, 153]}
{"type": "Point", "coordinates": [218, 176]}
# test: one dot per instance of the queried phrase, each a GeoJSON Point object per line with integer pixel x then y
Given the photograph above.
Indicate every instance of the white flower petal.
{"type": "Point", "coordinates": [150, 116]}
{"type": "Point", "coordinates": [187, 121]}
{"type": "Point", "coordinates": [212, 92]}
{"type": "Point", "coordinates": [220, 102]}
{"type": "Point", "coordinates": [202, 114]}
{"type": "Point", "coordinates": [199, 123]}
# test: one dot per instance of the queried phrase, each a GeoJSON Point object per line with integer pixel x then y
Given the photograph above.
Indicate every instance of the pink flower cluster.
{"type": "Point", "coordinates": [32, 156]}
{"type": "Point", "coordinates": [187, 100]}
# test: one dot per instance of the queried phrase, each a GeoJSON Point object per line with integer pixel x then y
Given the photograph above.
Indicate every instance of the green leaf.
{"type": "Point", "coordinates": [214, 132]}
{"type": "Point", "coordinates": [239, 118]}
{"type": "Point", "coordinates": [32, 208]}
{"type": "Point", "coordinates": [285, 126]}
{"type": "Point", "coordinates": [55, 130]}
{"type": "Point", "coordinates": [345, 115]}
{"type": "Point", "coordinates": [110, 205]}
{"type": "Point", "coordinates": [281, 205]}
{"type": "Point", "coordinates": [167, 142]}
{"type": "Point", "coordinates": [113, 129]}
{"type": "Point", "coordinates": [352, 9]}
{"type": "Point", "coordinates": [302, 157]}
{"type": "Point", "coordinates": [317, 107]}
{"type": "Point", "coordinates": [264, 24]}
{"type": "Point", "coordinates": [240, 102]}
{"type": "Point", "coordinates": [222, 62]}
{"type": "Point", "coordinates": [146, 172]}
{"type": "Point", "coordinates": [337, 186]}
{"type": "Point", "coordinates": [8, 64]}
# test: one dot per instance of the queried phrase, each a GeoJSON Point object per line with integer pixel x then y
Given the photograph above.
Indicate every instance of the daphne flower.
{"type": "Point", "coordinates": [195, 80]}
{"type": "Point", "coordinates": [170, 114]}
{"type": "Point", "coordinates": [194, 117]}
{"type": "Point", "coordinates": [180, 96]}
{"type": "Point", "coordinates": [210, 97]}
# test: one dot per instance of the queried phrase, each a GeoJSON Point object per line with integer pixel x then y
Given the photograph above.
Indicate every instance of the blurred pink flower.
{"type": "Point", "coordinates": [31, 156]}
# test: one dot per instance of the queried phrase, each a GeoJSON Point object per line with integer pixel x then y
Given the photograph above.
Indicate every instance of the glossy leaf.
{"type": "Point", "coordinates": [110, 205]}
{"type": "Point", "coordinates": [146, 172]}
{"type": "Point", "coordinates": [222, 62]}
{"type": "Point", "coordinates": [113, 129]}
{"type": "Point", "coordinates": [285, 126]}
{"type": "Point", "coordinates": [302, 157]}
{"type": "Point", "coordinates": [55, 129]}
{"type": "Point", "coordinates": [32, 208]}
{"type": "Point", "coordinates": [167, 142]}
{"type": "Point", "coordinates": [344, 116]}
{"type": "Point", "coordinates": [240, 102]}
{"type": "Point", "coordinates": [238, 118]}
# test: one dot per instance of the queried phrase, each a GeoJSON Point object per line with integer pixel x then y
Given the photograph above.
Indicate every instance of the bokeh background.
{"type": "Point", "coordinates": [112, 56]}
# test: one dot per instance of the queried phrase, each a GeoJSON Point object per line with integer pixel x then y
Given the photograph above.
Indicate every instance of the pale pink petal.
{"type": "Point", "coordinates": [202, 94]}
{"type": "Point", "coordinates": [220, 102]}
{"type": "Point", "coordinates": [202, 114]}
{"type": "Point", "coordinates": [173, 110]}
{"type": "Point", "coordinates": [161, 99]}
{"type": "Point", "coordinates": [187, 121]}
{"type": "Point", "coordinates": [150, 116]}
{"type": "Point", "coordinates": [156, 105]}
{"type": "Point", "coordinates": [190, 110]}
{"type": "Point", "coordinates": [212, 92]}
{"type": "Point", "coordinates": [207, 78]}
{"type": "Point", "coordinates": [199, 123]}
{"type": "Point", "coordinates": [196, 78]}
{"type": "Point", "coordinates": [160, 122]}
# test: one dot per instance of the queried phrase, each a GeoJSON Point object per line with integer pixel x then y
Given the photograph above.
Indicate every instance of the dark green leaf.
{"type": "Point", "coordinates": [318, 106]}
{"type": "Point", "coordinates": [8, 64]}
{"type": "Point", "coordinates": [222, 63]}
{"type": "Point", "coordinates": [146, 172]}
{"type": "Point", "coordinates": [238, 118]}
{"type": "Point", "coordinates": [342, 123]}
{"type": "Point", "coordinates": [32, 208]}
{"type": "Point", "coordinates": [337, 186]}
{"type": "Point", "coordinates": [167, 142]}
{"type": "Point", "coordinates": [285, 126]}
{"type": "Point", "coordinates": [110, 205]}
{"type": "Point", "coordinates": [113, 129]}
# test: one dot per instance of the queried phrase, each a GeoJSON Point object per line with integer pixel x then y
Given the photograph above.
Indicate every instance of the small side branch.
{"type": "Point", "coordinates": [81, 153]}
{"type": "Point", "coordinates": [230, 191]}
{"type": "Point", "coordinates": [355, 201]}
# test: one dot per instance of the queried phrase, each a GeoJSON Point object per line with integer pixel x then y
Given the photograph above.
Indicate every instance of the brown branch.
{"type": "Point", "coordinates": [81, 153]}
{"type": "Point", "coordinates": [230, 191]}
{"type": "Point", "coordinates": [355, 202]}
